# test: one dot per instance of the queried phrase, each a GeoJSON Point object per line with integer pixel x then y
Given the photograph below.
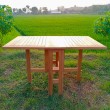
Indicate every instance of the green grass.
{"type": "Point", "coordinates": [93, 93]}
{"type": "Point", "coordinates": [56, 24]}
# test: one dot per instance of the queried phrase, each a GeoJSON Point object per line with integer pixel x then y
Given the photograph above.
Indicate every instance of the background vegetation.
{"type": "Point", "coordinates": [6, 21]}
{"type": "Point", "coordinates": [94, 9]}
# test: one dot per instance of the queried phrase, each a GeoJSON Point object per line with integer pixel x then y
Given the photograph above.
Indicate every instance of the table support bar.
{"type": "Point", "coordinates": [29, 75]}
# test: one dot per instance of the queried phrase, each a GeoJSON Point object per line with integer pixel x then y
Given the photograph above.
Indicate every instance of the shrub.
{"type": "Point", "coordinates": [102, 25]}
{"type": "Point", "coordinates": [6, 21]}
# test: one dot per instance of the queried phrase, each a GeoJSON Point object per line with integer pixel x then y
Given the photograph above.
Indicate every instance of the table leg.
{"type": "Point", "coordinates": [29, 76]}
{"type": "Point", "coordinates": [79, 65]}
{"type": "Point", "coordinates": [61, 70]}
{"type": "Point", "coordinates": [57, 59]}
{"type": "Point", "coordinates": [46, 60]}
{"type": "Point", "coordinates": [50, 72]}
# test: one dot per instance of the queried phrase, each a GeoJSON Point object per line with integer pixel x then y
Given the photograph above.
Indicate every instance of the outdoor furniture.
{"type": "Point", "coordinates": [57, 45]}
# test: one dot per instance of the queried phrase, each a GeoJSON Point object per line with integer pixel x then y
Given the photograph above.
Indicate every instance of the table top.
{"type": "Point", "coordinates": [54, 42]}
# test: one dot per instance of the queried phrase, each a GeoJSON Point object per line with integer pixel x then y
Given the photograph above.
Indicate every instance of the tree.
{"type": "Point", "coordinates": [24, 10]}
{"type": "Point", "coordinates": [28, 9]}
{"type": "Point", "coordinates": [15, 10]}
{"type": "Point", "coordinates": [40, 10]}
{"type": "Point", "coordinates": [61, 8]}
{"type": "Point", "coordinates": [45, 10]}
{"type": "Point", "coordinates": [20, 11]}
{"type": "Point", "coordinates": [34, 10]}
{"type": "Point", "coordinates": [6, 21]}
{"type": "Point", "coordinates": [102, 25]}
{"type": "Point", "coordinates": [27, 6]}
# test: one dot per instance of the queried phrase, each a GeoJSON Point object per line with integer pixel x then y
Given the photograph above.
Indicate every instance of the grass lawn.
{"type": "Point", "coordinates": [93, 93]}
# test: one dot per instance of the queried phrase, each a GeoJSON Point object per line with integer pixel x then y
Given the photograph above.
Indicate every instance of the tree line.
{"type": "Point", "coordinates": [30, 10]}
{"type": "Point", "coordinates": [94, 9]}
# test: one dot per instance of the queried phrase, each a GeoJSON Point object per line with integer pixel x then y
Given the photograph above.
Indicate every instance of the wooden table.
{"type": "Point", "coordinates": [57, 45]}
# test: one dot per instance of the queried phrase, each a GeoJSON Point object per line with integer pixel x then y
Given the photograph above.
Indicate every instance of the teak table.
{"type": "Point", "coordinates": [57, 45]}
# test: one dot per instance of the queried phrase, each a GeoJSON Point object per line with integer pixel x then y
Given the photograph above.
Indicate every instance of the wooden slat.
{"type": "Point", "coordinates": [22, 41]}
{"type": "Point", "coordinates": [44, 40]}
{"type": "Point", "coordinates": [68, 41]}
{"type": "Point", "coordinates": [40, 41]}
{"type": "Point", "coordinates": [70, 69]}
{"type": "Point", "coordinates": [36, 41]}
{"type": "Point", "coordinates": [67, 75]}
{"type": "Point", "coordinates": [55, 81]}
{"type": "Point", "coordinates": [37, 69]}
{"type": "Point", "coordinates": [55, 69]}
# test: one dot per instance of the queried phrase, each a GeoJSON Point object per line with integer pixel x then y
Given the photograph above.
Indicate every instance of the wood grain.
{"type": "Point", "coordinates": [54, 42]}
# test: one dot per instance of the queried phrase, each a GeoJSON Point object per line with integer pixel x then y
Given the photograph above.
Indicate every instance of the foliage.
{"type": "Point", "coordinates": [96, 9]}
{"type": "Point", "coordinates": [102, 25]}
{"type": "Point", "coordinates": [6, 20]}
{"type": "Point", "coordinates": [34, 10]}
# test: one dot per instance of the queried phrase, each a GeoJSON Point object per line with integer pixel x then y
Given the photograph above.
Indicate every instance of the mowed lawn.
{"type": "Point", "coordinates": [92, 93]}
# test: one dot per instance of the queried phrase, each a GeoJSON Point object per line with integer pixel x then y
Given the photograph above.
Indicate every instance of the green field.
{"type": "Point", "coordinates": [93, 93]}
{"type": "Point", "coordinates": [56, 25]}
